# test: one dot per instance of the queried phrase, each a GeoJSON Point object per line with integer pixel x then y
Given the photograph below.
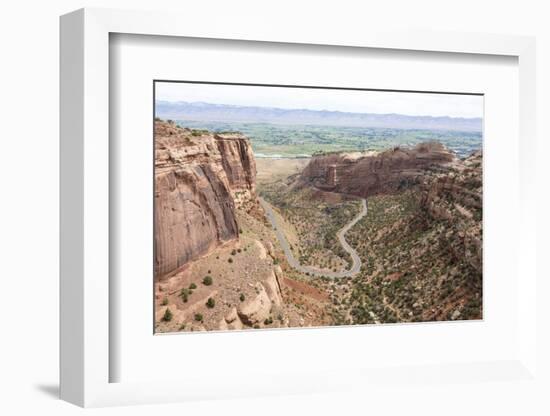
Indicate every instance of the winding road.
{"type": "Point", "coordinates": [341, 237]}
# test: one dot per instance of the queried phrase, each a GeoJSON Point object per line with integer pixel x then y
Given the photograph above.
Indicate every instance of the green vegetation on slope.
{"type": "Point", "coordinates": [414, 269]}
{"type": "Point", "coordinates": [316, 223]}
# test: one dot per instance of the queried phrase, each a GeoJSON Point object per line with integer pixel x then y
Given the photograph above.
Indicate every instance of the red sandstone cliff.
{"type": "Point", "coordinates": [366, 174]}
{"type": "Point", "coordinates": [196, 176]}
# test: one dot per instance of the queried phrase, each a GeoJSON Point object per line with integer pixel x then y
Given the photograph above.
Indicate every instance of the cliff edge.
{"type": "Point", "coordinates": [197, 174]}
{"type": "Point", "coordinates": [369, 173]}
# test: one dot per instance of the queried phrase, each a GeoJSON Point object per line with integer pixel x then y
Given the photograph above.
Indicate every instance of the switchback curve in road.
{"type": "Point", "coordinates": [356, 261]}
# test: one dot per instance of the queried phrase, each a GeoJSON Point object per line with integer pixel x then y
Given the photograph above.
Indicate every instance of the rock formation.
{"type": "Point", "coordinates": [238, 161]}
{"type": "Point", "coordinates": [366, 174]}
{"type": "Point", "coordinates": [196, 175]}
{"type": "Point", "coordinates": [456, 196]}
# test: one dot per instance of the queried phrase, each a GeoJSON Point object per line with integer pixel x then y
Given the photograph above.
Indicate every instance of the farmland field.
{"type": "Point", "coordinates": [274, 140]}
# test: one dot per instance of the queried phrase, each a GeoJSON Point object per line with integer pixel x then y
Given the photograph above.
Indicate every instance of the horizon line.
{"type": "Point", "coordinates": [320, 111]}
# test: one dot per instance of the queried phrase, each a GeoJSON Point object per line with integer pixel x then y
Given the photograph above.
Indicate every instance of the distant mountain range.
{"type": "Point", "coordinates": [199, 111]}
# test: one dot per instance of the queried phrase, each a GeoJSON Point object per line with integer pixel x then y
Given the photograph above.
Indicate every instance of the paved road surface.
{"type": "Point", "coordinates": [341, 237]}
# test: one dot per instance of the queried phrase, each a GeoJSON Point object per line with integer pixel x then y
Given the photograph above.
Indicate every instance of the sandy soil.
{"type": "Point", "coordinates": [272, 170]}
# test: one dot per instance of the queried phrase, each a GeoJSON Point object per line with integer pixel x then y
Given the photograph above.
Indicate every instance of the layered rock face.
{"type": "Point", "coordinates": [457, 196]}
{"type": "Point", "coordinates": [366, 174]}
{"type": "Point", "coordinates": [238, 161]}
{"type": "Point", "coordinates": [196, 174]}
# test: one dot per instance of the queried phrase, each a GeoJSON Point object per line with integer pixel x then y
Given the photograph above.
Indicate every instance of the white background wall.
{"type": "Point", "coordinates": [29, 56]}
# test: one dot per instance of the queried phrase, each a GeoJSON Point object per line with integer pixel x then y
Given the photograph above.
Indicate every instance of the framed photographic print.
{"type": "Point", "coordinates": [294, 213]}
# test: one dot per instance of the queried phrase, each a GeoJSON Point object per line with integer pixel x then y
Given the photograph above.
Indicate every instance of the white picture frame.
{"type": "Point", "coordinates": [85, 165]}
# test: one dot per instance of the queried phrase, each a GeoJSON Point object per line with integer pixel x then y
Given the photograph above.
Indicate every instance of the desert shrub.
{"type": "Point", "coordinates": [210, 303]}
{"type": "Point", "coordinates": [233, 252]}
{"type": "Point", "coordinates": [198, 317]}
{"type": "Point", "coordinates": [164, 301]}
{"type": "Point", "coordinates": [207, 281]}
{"type": "Point", "coordinates": [192, 286]}
{"type": "Point", "coordinates": [167, 315]}
{"type": "Point", "coordinates": [241, 297]}
{"type": "Point", "coordinates": [230, 260]}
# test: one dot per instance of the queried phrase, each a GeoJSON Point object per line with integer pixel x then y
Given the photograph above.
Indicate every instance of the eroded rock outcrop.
{"type": "Point", "coordinates": [366, 174]}
{"type": "Point", "coordinates": [456, 196]}
{"type": "Point", "coordinates": [196, 176]}
{"type": "Point", "coordinates": [255, 309]}
{"type": "Point", "coordinates": [238, 161]}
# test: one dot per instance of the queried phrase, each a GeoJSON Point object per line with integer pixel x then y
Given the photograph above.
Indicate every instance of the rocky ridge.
{"type": "Point", "coordinates": [456, 196]}
{"type": "Point", "coordinates": [369, 173]}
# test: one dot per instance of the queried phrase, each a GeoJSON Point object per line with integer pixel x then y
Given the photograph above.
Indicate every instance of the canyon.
{"type": "Point", "coordinates": [219, 263]}
{"type": "Point", "coordinates": [422, 241]}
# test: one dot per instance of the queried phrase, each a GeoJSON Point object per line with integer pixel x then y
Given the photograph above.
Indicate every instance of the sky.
{"type": "Point", "coordinates": [380, 102]}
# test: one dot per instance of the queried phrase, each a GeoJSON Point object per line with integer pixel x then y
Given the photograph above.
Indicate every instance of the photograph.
{"type": "Point", "coordinates": [280, 206]}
